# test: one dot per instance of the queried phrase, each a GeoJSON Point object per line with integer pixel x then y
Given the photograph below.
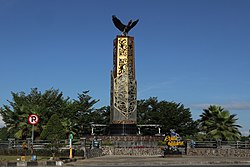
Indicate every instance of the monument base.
{"type": "Point", "coordinates": [122, 129]}
{"type": "Point", "coordinates": [171, 153]}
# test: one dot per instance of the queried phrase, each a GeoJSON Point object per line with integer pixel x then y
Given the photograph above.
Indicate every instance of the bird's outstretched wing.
{"type": "Point", "coordinates": [132, 25]}
{"type": "Point", "coordinates": [118, 23]}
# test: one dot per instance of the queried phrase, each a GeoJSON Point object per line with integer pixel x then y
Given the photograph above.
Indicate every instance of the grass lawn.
{"type": "Point", "coordinates": [27, 158]}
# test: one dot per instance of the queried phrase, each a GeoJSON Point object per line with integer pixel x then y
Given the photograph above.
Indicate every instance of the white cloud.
{"type": "Point", "coordinates": [1, 122]}
{"type": "Point", "coordinates": [245, 132]}
{"type": "Point", "coordinates": [227, 106]}
{"type": "Point", "coordinates": [199, 106]}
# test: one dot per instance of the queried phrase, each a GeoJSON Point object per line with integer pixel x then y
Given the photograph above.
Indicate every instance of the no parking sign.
{"type": "Point", "coordinates": [33, 119]}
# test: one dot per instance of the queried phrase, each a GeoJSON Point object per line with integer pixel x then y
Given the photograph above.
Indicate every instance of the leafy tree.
{"type": "Point", "coordinates": [76, 115]}
{"type": "Point", "coordinates": [4, 135]}
{"type": "Point", "coordinates": [54, 129]}
{"type": "Point", "coordinates": [80, 115]}
{"type": "Point", "coordinates": [54, 132]}
{"type": "Point", "coordinates": [169, 115]}
{"type": "Point", "coordinates": [218, 123]}
{"type": "Point", "coordinates": [101, 116]}
{"type": "Point", "coordinates": [44, 105]}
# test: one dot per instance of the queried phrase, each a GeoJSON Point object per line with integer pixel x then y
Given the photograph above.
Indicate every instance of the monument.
{"type": "Point", "coordinates": [173, 143]}
{"type": "Point", "coordinates": [123, 94]}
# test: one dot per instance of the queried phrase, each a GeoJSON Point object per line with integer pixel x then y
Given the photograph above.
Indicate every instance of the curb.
{"type": "Point", "coordinates": [32, 163]}
{"type": "Point", "coordinates": [35, 163]}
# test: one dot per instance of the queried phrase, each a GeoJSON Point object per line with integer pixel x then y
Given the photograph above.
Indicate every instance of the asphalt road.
{"type": "Point", "coordinates": [155, 161]}
{"type": "Point", "coordinates": [180, 166]}
{"type": "Point", "coordinates": [173, 165]}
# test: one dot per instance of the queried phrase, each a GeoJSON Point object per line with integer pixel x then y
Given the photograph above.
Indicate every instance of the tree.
{"type": "Point", "coordinates": [218, 123]}
{"type": "Point", "coordinates": [44, 105]}
{"type": "Point", "coordinates": [169, 115]}
{"type": "Point", "coordinates": [54, 132]}
{"type": "Point", "coordinates": [76, 115]}
{"type": "Point", "coordinates": [54, 129]}
{"type": "Point", "coordinates": [101, 116]}
{"type": "Point", "coordinates": [80, 115]}
{"type": "Point", "coordinates": [4, 135]}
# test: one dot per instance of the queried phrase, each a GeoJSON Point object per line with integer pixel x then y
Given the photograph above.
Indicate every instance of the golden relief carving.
{"type": "Point", "coordinates": [123, 47]}
{"type": "Point", "coordinates": [124, 91]}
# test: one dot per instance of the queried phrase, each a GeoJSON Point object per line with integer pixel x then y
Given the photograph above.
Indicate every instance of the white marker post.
{"type": "Point", "coordinates": [33, 119]}
{"type": "Point", "coordinates": [70, 145]}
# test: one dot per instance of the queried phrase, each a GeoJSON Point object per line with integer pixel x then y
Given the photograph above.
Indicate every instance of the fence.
{"type": "Point", "coordinates": [222, 144]}
{"type": "Point", "coordinates": [81, 147]}
{"type": "Point", "coordinates": [37, 144]}
{"type": "Point", "coordinates": [15, 147]}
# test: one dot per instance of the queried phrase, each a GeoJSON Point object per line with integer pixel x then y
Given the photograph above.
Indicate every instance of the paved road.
{"type": "Point", "coordinates": [154, 161]}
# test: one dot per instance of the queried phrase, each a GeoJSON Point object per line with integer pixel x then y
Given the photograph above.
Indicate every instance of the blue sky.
{"type": "Point", "coordinates": [194, 52]}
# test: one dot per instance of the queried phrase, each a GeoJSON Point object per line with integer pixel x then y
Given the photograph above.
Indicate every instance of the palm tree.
{"type": "Point", "coordinates": [217, 123]}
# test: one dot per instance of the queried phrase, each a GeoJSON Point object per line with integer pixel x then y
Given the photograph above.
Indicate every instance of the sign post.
{"type": "Point", "coordinates": [70, 145]}
{"type": "Point", "coordinates": [33, 119]}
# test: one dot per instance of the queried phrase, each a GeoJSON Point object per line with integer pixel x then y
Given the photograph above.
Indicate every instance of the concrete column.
{"type": "Point", "coordinates": [92, 130]}
{"type": "Point", "coordinates": [139, 130]}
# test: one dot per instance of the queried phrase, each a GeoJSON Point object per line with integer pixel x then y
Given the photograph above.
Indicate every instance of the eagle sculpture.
{"type": "Point", "coordinates": [124, 28]}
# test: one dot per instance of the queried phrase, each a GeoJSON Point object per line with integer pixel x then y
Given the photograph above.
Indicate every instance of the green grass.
{"type": "Point", "coordinates": [27, 158]}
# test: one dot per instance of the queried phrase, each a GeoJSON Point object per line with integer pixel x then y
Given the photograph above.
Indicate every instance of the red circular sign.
{"type": "Point", "coordinates": [33, 119]}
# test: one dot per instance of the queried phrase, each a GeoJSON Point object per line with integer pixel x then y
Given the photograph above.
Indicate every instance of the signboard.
{"type": "Point", "coordinates": [174, 139]}
{"type": "Point", "coordinates": [33, 119]}
{"type": "Point", "coordinates": [71, 136]}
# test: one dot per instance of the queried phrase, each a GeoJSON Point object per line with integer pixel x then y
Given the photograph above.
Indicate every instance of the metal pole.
{"type": "Point", "coordinates": [32, 139]}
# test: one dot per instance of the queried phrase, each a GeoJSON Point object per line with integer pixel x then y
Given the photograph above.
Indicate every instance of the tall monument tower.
{"type": "Point", "coordinates": [123, 100]}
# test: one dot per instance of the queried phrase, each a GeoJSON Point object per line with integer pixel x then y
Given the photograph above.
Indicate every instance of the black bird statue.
{"type": "Point", "coordinates": [123, 28]}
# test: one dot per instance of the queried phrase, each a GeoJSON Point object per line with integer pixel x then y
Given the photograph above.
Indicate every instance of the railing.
{"type": "Point", "coordinates": [221, 144]}
{"type": "Point", "coordinates": [42, 144]}
{"type": "Point", "coordinates": [235, 144]}
{"type": "Point", "coordinates": [81, 147]}
{"type": "Point", "coordinates": [204, 144]}
{"type": "Point", "coordinates": [78, 143]}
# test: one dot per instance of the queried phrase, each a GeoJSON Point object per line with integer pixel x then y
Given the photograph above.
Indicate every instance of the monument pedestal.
{"type": "Point", "coordinates": [123, 129]}
{"type": "Point", "coordinates": [172, 153]}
